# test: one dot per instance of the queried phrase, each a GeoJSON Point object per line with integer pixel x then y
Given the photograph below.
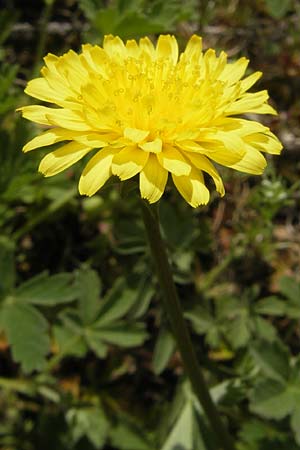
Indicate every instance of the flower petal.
{"type": "Point", "coordinates": [97, 171]}
{"type": "Point", "coordinates": [193, 50]}
{"type": "Point", "coordinates": [40, 88]}
{"type": "Point", "coordinates": [203, 163]}
{"type": "Point", "coordinates": [66, 118]}
{"type": "Point", "coordinates": [167, 48]}
{"type": "Point", "coordinates": [62, 158]}
{"type": "Point", "coordinates": [152, 146]}
{"type": "Point", "coordinates": [249, 81]}
{"type": "Point", "coordinates": [153, 179]}
{"type": "Point", "coordinates": [173, 161]}
{"type": "Point", "coordinates": [128, 162]}
{"type": "Point", "coordinates": [248, 103]}
{"type": "Point", "coordinates": [253, 162]}
{"type": "Point", "coordinates": [48, 138]}
{"type": "Point", "coordinates": [113, 45]}
{"type": "Point", "coordinates": [192, 188]}
{"type": "Point", "coordinates": [265, 142]}
{"type": "Point", "coordinates": [36, 113]}
{"type": "Point", "coordinates": [233, 72]}
{"type": "Point", "coordinates": [135, 135]}
{"type": "Point", "coordinates": [147, 47]}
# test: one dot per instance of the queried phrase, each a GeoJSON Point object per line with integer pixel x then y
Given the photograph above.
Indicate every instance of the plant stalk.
{"type": "Point", "coordinates": [179, 327]}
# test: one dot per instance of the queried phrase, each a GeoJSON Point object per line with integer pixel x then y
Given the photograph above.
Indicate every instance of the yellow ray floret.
{"type": "Point", "coordinates": [149, 112]}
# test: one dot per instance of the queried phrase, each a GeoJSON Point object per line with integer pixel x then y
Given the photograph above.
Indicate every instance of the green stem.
{"type": "Point", "coordinates": [180, 331]}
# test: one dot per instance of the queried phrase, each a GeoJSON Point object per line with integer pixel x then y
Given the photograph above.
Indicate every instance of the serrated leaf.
{"type": "Point", "coordinates": [47, 290]}
{"type": "Point", "coordinates": [90, 422]}
{"type": "Point", "coordinates": [164, 348]}
{"type": "Point", "coordinates": [88, 287]}
{"type": "Point", "coordinates": [27, 332]}
{"type": "Point", "coordinates": [272, 359]}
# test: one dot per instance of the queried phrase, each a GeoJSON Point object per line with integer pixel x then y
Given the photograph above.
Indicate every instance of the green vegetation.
{"type": "Point", "coordinates": [87, 360]}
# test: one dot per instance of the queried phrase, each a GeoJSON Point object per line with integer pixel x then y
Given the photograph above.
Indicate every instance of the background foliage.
{"type": "Point", "coordinates": [86, 356]}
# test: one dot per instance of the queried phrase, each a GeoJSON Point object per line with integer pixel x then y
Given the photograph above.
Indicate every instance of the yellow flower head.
{"type": "Point", "coordinates": [150, 112]}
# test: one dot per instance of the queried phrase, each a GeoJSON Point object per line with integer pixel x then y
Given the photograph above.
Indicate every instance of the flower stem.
{"type": "Point", "coordinates": [180, 330]}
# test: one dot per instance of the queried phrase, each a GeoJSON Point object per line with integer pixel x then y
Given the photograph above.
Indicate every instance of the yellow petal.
{"type": "Point", "coordinates": [113, 45]}
{"type": "Point", "coordinates": [173, 161]}
{"type": "Point", "coordinates": [135, 135]}
{"type": "Point", "coordinates": [40, 88]}
{"type": "Point", "coordinates": [233, 72]}
{"type": "Point", "coordinates": [253, 162]}
{"type": "Point", "coordinates": [48, 138]}
{"type": "Point", "coordinates": [152, 146]}
{"type": "Point", "coordinates": [133, 48]}
{"type": "Point", "coordinates": [249, 81]}
{"type": "Point", "coordinates": [192, 188]}
{"type": "Point", "coordinates": [167, 48]}
{"type": "Point", "coordinates": [153, 179]}
{"type": "Point", "coordinates": [94, 140]}
{"type": "Point", "coordinates": [97, 171]}
{"type": "Point", "coordinates": [60, 85]}
{"type": "Point", "coordinates": [36, 113]}
{"type": "Point", "coordinates": [265, 142]}
{"type": "Point", "coordinates": [128, 162]}
{"type": "Point", "coordinates": [62, 158]}
{"type": "Point", "coordinates": [193, 49]}
{"type": "Point", "coordinates": [66, 118]}
{"type": "Point", "coordinates": [146, 46]}
{"type": "Point", "coordinates": [202, 163]}
{"type": "Point", "coordinates": [249, 103]}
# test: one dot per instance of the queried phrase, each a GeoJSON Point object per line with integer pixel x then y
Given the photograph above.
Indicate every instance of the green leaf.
{"type": "Point", "coordinates": [272, 359]}
{"type": "Point", "coordinates": [263, 329]}
{"type": "Point", "coordinates": [88, 286]}
{"type": "Point", "coordinates": [90, 422]}
{"type": "Point", "coordinates": [278, 8]}
{"type": "Point", "coordinates": [237, 331]}
{"type": "Point", "coordinates": [164, 348]}
{"type": "Point", "coordinates": [185, 432]}
{"type": "Point", "coordinates": [291, 289]}
{"type": "Point", "coordinates": [27, 332]}
{"type": "Point", "coordinates": [127, 435]}
{"type": "Point", "coordinates": [69, 342]}
{"type": "Point", "coordinates": [295, 423]}
{"type": "Point", "coordinates": [201, 319]}
{"type": "Point", "coordinates": [117, 302]}
{"type": "Point", "coordinates": [271, 400]}
{"type": "Point", "coordinates": [271, 306]}
{"type": "Point", "coordinates": [47, 290]}
{"type": "Point", "coordinates": [7, 266]}
{"type": "Point", "coordinates": [122, 334]}
{"type": "Point", "coordinates": [95, 342]}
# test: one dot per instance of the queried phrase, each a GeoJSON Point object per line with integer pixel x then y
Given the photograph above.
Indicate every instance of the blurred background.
{"type": "Point", "coordinates": [86, 357]}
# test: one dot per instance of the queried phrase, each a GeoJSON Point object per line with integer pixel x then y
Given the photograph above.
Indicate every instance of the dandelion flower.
{"type": "Point", "coordinates": [145, 110]}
